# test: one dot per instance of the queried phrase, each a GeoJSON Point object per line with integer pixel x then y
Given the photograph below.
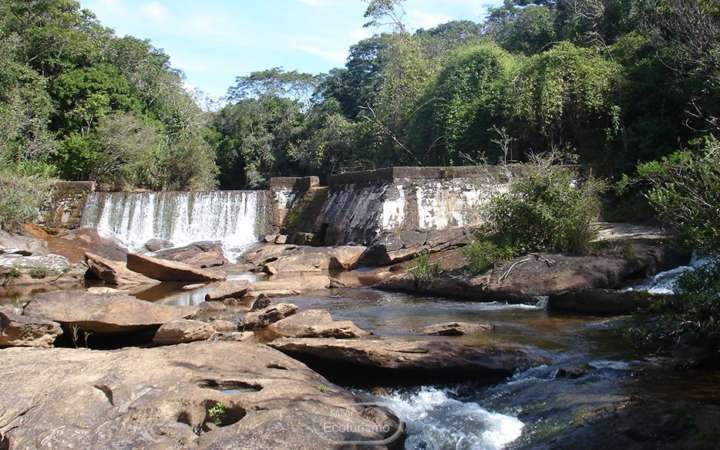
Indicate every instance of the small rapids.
{"type": "Point", "coordinates": [665, 283]}
{"type": "Point", "coordinates": [436, 420]}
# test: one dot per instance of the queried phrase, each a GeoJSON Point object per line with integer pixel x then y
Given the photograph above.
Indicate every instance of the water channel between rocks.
{"type": "Point", "coordinates": [482, 414]}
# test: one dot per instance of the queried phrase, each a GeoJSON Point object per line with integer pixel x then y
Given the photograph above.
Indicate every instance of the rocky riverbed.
{"type": "Point", "coordinates": [294, 346]}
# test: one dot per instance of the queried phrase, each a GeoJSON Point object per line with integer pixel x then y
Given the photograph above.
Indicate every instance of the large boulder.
{"type": "Point", "coordinates": [22, 331]}
{"type": "Point", "coordinates": [204, 395]}
{"type": "Point", "coordinates": [602, 301]}
{"type": "Point", "coordinates": [279, 259]}
{"type": "Point", "coordinates": [103, 313]}
{"type": "Point", "coordinates": [317, 323]}
{"type": "Point", "coordinates": [114, 272]}
{"type": "Point", "coordinates": [393, 248]}
{"type": "Point", "coordinates": [165, 270]}
{"type": "Point", "coordinates": [18, 270]}
{"type": "Point", "coordinates": [264, 317]}
{"type": "Point", "coordinates": [528, 277]}
{"type": "Point", "coordinates": [200, 254]}
{"type": "Point", "coordinates": [182, 331]}
{"type": "Point", "coordinates": [21, 245]}
{"type": "Point", "coordinates": [228, 289]}
{"type": "Point", "coordinates": [414, 358]}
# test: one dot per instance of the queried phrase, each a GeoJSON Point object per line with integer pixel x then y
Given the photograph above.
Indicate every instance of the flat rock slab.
{"type": "Point", "coordinates": [262, 318]}
{"type": "Point", "coordinates": [200, 254]}
{"type": "Point", "coordinates": [21, 245]}
{"type": "Point", "coordinates": [109, 313]}
{"type": "Point", "coordinates": [160, 398]}
{"type": "Point", "coordinates": [165, 270]}
{"type": "Point", "coordinates": [317, 323]}
{"type": "Point", "coordinates": [23, 331]}
{"type": "Point", "coordinates": [228, 289]}
{"type": "Point", "coordinates": [278, 259]}
{"type": "Point", "coordinates": [426, 356]}
{"type": "Point", "coordinates": [114, 272]}
{"type": "Point", "coordinates": [455, 329]}
{"type": "Point", "coordinates": [182, 331]}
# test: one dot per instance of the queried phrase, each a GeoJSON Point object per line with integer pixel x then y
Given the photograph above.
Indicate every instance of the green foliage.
{"type": "Point", "coordinates": [684, 191]}
{"type": "Point", "coordinates": [217, 413]}
{"type": "Point", "coordinates": [21, 196]}
{"type": "Point", "coordinates": [549, 207]}
{"type": "Point", "coordinates": [689, 319]}
{"type": "Point", "coordinates": [424, 271]}
{"type": "Point", "coordinates": [38, 273]}
{"type": "Point", "coordinates": [483, 255]}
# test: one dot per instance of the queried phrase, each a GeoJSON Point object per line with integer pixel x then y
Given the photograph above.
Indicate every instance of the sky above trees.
{"type": "Point", "coordinates": [216, 40]}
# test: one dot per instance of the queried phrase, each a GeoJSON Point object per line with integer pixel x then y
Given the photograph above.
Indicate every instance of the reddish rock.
{"type": "Point", "coordinates": [165, 270]}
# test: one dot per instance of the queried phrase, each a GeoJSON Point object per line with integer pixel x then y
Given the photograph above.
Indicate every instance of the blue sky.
{"type": "Point", "coordinates": [213, 41]}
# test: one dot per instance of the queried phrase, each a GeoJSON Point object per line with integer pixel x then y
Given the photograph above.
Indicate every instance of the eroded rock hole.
{"type": "Point", "coordinates": [4, 442]}
{"type": "Point", "coordinates": [220, 414]}
{"type": "Point", "coordinates": [230, 386]}
{"type": "Point", "coordinates": [276, 366]}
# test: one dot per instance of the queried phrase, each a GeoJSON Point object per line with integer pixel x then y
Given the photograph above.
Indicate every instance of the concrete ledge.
{"type": "Point", "coordinates": [295, 183]}
{"type": "Point", "coordinates": [392, 174]}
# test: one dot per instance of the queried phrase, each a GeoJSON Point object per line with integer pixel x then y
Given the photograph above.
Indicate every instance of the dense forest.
{"type": "Point", "coordinates": [613, 82]}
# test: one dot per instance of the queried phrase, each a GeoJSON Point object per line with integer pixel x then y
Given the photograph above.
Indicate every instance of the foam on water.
{"type": "Point", "coordinates": [664, 283]}
{"type": "Point", "coordinates": [435, 420]}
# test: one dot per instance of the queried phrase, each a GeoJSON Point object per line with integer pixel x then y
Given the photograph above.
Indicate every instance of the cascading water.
{"type": "Point", "coordinates": [235, 218]}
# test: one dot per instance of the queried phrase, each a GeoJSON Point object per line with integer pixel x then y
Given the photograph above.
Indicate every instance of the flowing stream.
{"type": "Point", "coordinates": [236, 218]}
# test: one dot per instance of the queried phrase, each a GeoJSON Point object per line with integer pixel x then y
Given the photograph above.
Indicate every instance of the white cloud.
{"type": "Point", "coordinates": [422, 19]}
{"type": "Point", "coordinates": [359, 34]}
{"type": "Point", "coordinates": [154, 11]}
{"type": "Point", "coordinates": [333, 56]}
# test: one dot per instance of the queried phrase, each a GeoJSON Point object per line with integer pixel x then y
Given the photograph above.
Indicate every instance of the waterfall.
{"type": "Point", "coordinates": [235, 218]}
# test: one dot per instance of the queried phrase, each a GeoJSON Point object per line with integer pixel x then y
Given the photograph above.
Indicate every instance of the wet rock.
{"type": "Point", "coordinates": [300, 238]}
{"type": "Point", "coordinates": [425, 358]}
{"type": "Point", "coordinates": [11, 243]}
{"type": "Point", "coordinates": [105, 290]}
{"type": "Point", "coordinates": [228, 289]}
{"type": "Point", "coordinates": [456, 329]}
{"type": "Point", "coordinates": [154, 245]}
{"type": "Point", "coordinates": [317, 323]}
{"type": "Point", "coordinates": [183, 331]}
{"type": "Point", "coordinates": [269, 238]}
{"type": "Point", "coordinates": [261, 302]}
{"type": "Point", "coordinates": [281, 239]}
{"type": "Point", "coordinates": [22, 331]}
{"type": "Point", "coordinates": [602, 301]}
{"type": "Point", "coordinates": [114, 272]}
{"type": "Point", "coordinates": [264, 317]}
{"type": "Point", "coordinates": [165, 270]}
{"type": "Point", "coordinates": [161, 398]}
{"type": "Point", "coordinates": [102, 313]}
{"type": "Point", "coordinates": [573, 372]}
{"type": "Point", "coordinates": [202, 255]}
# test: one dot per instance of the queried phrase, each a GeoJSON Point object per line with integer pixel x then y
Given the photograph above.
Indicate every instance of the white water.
{"type": "Point", "coordinates": [234, 218]}
{"type": "Point", "coordinates": [664, 283]}
{"type": "Point", "coordinates": [436, 421]}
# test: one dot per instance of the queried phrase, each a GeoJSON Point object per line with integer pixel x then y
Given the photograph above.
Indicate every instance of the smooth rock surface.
{"type": "Point", "coordinates": [114, 272]}
{"type": "Point", "coordinates": [317, 323]}
{"type": "Point", "coordinates": [228, 289]}
{"type": "Point", "coordinates": [427, 356]}
{"type": "Point", "coordinates": [21, 245]}
{"type": "Point", "coordinates": [103, 313]}
{"type": "Point", "coordinates": [23, 331]}
{"type": "Point", "coordinates": [165, 270]}
{"type": "Point", "coordinates": [200, 254]}
{"type": "Point", "coordinates": [182, 331]}
{"type": "Point", "coordinates": [160, 398]}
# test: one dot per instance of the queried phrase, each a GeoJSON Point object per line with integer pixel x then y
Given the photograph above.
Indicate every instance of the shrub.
{"type": "Point", "coordinates": [424, 271]}
{"type": "Point", "coordinates": [21, 197]}
{"type": "Point", "coordinates": [483, 255]}
{"type": "Point", "coordinates": [217, 413]}
{"type": "Point", "coordinates": [548, 208]}
{"type": "Point", "coordinates": [690, 318]}
{"type": "Point", "coordinates": [684, 192]}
